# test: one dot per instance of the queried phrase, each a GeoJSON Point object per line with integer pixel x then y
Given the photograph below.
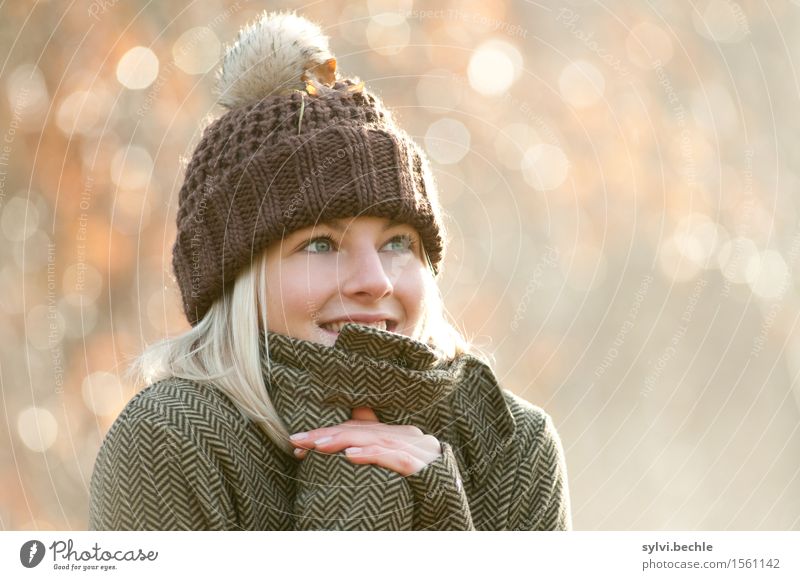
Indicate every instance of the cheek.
{"type": "Point", "coordinates": [410, 290]}
{"type": "Point", "coordinates": [291, 296]}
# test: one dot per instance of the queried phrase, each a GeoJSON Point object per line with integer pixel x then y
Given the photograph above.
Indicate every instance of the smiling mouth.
{"type": "Point", "coordinates": [336, 327]}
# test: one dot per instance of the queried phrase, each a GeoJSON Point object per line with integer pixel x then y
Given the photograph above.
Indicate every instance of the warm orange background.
{"type": "Point", "coordinates": [621, 186]}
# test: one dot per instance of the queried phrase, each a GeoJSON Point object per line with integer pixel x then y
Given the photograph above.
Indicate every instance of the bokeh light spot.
{"type": "Point", "coordinates": [131, 167]}
{"type": "Point", "coordinates": [20, 219]}
{"type": "Point", "coordinates": [545, 166]}
{"type": "Point", "coordinates": [138, 68]}
{"type": "Point", "coordinates": [37, 428]}
{"type": "Point", "coordinates": [767, 274]}
{"type": "Point", "coordinates": [648, 46]}
{"type": "Point", "coordinates": [581, 84]}
{"type": "Point", "coordinates": [447, 141]}
{"type": "Point", "coordinates": [197, 50]}
{"type": "Point", "coordinates": [494, 67]}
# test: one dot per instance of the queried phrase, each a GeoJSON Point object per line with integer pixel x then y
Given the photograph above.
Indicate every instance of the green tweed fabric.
{"type": "Point", "coordinates": [182, 456]}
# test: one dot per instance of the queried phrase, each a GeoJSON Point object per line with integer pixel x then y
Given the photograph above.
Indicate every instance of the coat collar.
{"type": "Point", "coordinates": [403, 380]}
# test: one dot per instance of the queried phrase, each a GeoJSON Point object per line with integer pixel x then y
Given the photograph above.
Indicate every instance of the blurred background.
{"type": "Point", "coordinates": [621, 181]}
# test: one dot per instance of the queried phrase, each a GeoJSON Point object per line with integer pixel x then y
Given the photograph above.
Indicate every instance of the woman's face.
{"type": "Point", "coordinates": [365, 269]}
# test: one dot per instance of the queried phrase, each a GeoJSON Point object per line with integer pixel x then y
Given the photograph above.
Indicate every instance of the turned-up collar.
{"type": "Point", "coordinates": [405, 381]}
{"type": "Point", "coordinates": [396, 372]}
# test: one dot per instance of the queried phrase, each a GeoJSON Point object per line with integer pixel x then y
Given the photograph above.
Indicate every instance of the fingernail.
{"type": "Point", "coordinates": [353, 450]}
{"type": "Point", "coordinates": [298, 452]}
{"type": "Point", "coordinates": [298, 436]}
{"type": "Point", "coordinates": [322, 440]}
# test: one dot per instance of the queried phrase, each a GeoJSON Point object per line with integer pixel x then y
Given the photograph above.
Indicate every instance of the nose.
{"type": "Point", "coordinates": [365, 275]}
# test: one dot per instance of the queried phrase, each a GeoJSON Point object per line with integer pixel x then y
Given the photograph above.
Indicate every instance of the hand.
{"type": "Point", "coordinates": [404, 449]}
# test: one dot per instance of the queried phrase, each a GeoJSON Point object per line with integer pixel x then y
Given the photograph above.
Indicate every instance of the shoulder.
{"type": "Point", "coordinates": [533, 426]}
{"type": "Point", "coordinates": [182, 407]}
{"type": "Point", "coordinates": [165, 461]}
{"type": "Point", "coordinates": [528, 418]}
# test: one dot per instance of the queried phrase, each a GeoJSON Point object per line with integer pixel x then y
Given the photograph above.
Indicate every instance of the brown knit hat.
{"type": "Point", "coordinates": [296, 147]}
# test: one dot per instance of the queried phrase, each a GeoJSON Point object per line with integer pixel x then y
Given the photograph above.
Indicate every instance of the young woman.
{"type": "Point", "coordinates": [320, 386]}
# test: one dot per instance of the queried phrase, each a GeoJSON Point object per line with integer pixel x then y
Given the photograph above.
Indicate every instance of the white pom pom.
{"type": "Point", "coordinates": [277, 54]}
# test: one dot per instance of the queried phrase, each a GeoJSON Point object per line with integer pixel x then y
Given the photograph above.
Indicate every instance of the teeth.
{"type": "Point", "coordinates": [337, 326]}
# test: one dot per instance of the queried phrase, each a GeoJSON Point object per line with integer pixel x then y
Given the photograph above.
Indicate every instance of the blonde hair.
{"type": "Point", "coordinates": [212, 353]}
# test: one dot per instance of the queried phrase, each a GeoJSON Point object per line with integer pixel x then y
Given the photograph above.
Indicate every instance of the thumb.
{"type": "Point", "coordinates": [364, 414]}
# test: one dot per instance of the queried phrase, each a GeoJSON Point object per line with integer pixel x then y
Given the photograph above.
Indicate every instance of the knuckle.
{"type": "Point", "coordinates": [370, 450]}
{"type": "Point", "coordinates": [430, 440]}
{"type": "Point", "coordinates": [405, 461]}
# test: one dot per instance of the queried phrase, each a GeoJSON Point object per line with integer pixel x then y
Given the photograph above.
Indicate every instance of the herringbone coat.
{"type": "Point", "coordinates": [182, 456]}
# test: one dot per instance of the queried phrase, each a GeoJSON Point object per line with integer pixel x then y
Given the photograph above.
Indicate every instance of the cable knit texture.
{"type": "Point", "coordinates": [286, 162]}
{"type": "Point", "coordinates": [181, 456]}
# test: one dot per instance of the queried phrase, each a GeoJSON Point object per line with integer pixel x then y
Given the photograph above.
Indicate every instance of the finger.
{"type": "Point", "coordinates": [306, 439]}
{"type": "Point", "coordinates": [302, 440]}
{"type": "Point", "coordinates": [337, 441]}
{"type": "Point", "coordinates": [371, 438]}
{"type": "Point", "coordinates": [397, 460]}
{"type": "Point", "coordinates": [364, 414]}
{"type": "Point", "coordinates": [427, 444]}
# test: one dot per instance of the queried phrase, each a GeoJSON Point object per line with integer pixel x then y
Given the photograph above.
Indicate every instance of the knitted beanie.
{"type": "Point", "coordinates": [296, 147]}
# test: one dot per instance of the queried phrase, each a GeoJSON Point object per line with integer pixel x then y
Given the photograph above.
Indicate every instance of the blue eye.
{"type": "Point", "coordinates": [319, 245]}
{"type": "Point", "coordinates": [401, 243]}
